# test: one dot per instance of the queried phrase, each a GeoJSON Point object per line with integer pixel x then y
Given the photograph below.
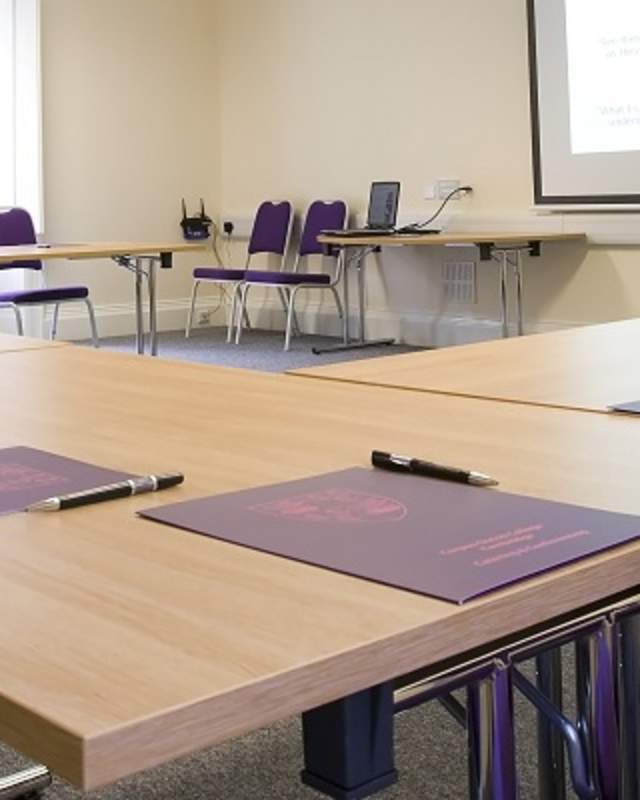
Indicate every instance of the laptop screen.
{"type": "Point", "coordinates": [383, 204]}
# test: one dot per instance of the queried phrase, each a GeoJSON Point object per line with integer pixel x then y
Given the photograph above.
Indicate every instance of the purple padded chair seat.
{"type": "Point", "coordinates": [52, 295]}
{"type": "Point", "coordinates": [292, 278]}
{"type": "Point", "coordinates": [218, 274]}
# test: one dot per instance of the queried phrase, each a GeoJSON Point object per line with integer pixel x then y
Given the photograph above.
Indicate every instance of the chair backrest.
{"type": "Point", "coordinates": [16, 227]}
{"type": "Point", "coordinates": [321, 215]}
{"type": "Point", "coordinates": [271, 228]}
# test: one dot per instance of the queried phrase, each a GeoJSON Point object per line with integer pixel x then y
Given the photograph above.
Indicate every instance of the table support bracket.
{"type": "Point", "coordinates": [357, 259]}
{"type": "Point", "coordinates": [348, 744]}
{"type": "Point", "coordinates": [135, 264]}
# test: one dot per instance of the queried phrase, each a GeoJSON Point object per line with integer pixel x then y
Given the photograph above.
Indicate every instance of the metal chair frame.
{"type": "Point", "coordinates": [237, 285]}
{"type": "Point", "coordinates": [16, 308]}
{"type": "Point", "coordinates": [288, 293]}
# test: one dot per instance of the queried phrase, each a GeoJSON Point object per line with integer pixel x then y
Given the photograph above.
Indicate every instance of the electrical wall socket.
{"type": "Point", "coordinates": [447, 185]}
{"type": "Point", "coordinates": [242, 226]}
{"type": "Point", "coordinates": [429, 191]}
{"type": "Point", "coordinates": [441, 188]}
{"type": "Point", "coordinates": [204, 318]}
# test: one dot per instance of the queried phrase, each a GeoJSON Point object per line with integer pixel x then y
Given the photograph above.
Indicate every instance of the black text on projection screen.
{"type": "Point", "coordinates": [584, 60]}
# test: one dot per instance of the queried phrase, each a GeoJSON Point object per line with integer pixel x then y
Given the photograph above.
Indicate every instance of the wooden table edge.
{"type": "Point", "coordinates": [301, 373]}
{"type": "Point", "coordinates": [123, 750]}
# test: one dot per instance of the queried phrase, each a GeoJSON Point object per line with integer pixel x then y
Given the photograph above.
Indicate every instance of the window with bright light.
{"type": "Point", "coordinates": [20, 107]}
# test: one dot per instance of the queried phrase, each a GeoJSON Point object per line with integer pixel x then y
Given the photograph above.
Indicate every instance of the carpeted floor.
{"type": "Point", "coordinates": [260, 350]}
{"type": "Point", "coordinates": [430, 746]}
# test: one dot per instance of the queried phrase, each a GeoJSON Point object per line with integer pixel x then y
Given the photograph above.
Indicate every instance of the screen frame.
{"type": "Point", "coordinates": [540, 198]}
{"type": "Point", "coordinates": [394, 217]}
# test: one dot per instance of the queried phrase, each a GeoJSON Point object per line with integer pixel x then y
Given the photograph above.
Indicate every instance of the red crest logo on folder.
{"type": "Point", "coordinates": [335, 505]}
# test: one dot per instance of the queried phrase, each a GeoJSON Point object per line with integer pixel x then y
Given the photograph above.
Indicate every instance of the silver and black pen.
{"type": "Point", "coordinates": [396, 463]}
{"type": "Point", "coordinates": [111, 491]}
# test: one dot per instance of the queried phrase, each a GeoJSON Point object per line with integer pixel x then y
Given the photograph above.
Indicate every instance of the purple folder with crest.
{"type": "Point", "coordinates": [28, 475]}
{"type": "Point", "coordinates": [448, 540]}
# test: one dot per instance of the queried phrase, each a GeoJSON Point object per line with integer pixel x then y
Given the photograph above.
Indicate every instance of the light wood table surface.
{"type": "Point", "coordinates": [84, 250]}
{"type": "Point", "coordinates": [140, 258]}
{"type": "Point", "coordinates": [10, 343]}
{"type": "Point", "coordinates": [585, 368]}
{"type": "Point", "coordinates": [455, 237]}
{"type": "Point", "coordinates": [126, 643]}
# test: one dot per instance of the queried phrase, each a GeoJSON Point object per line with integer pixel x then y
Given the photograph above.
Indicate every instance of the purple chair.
{"type": "Point", "coordinates": [321, 215]}
{"type": "Point", "coordinates": [16, 228]}
{"type": "Point", "coordinates": [270, 234]}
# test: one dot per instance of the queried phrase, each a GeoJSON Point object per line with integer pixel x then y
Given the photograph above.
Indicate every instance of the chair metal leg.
{"type": "Point", "coordinates": [231, 321]}
{"type": "Point", "coordinates": [550, 744]}
{"type": "Point", "coordinates": [285, 295]}
{"type": "Point", "coordinates": [92, 323]}
{"type": "Point", "coordinates": [595, 700]}
{"type": "Point", "coordinates": [290, 318]}
{"type": "Point", "coordinates": [336, 297]}
{"type": "Point", "coordinates": [54, 321]}
{"type": "Point", "coordinates": [244, 290]}
{"type": "Point", "coordinates": [18, 315]}
{"type": "Point", "coordinates": [194, 291]}
{"type": "Point", "coordinates": [245, 318]}
{"type": "Point", "coordinates": [628, 698]}
{"type": "Point", "coordinates": [234, 314]}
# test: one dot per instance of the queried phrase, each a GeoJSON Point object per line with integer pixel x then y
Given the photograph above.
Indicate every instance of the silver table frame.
{"type": "Point", "coordinates": [26, 782]}
{"type": "Point", "coordinates": [144, 268]}
{"type": "Point", "coordinates": [507, 256]}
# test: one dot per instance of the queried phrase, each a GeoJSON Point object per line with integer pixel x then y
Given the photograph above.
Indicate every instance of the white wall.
{"type": "Point", "coordinates": [337, 94]}
{"type": "Point", "coordinates": [131, 124]}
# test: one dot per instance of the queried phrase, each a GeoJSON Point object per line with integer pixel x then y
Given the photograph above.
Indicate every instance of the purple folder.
{"type": "Point", "coordinates": [444, 539]}
{"type": "Point", "coordinates": [28, 475]}
{"type": "Point", "coordinates": [627, 408]}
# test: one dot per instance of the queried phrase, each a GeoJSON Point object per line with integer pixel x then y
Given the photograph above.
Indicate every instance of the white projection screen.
{"type": "Point", "coordinates": [584, 58]}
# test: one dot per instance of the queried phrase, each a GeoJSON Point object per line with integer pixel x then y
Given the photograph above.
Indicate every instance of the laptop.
{"type": "Point", "coordinates": [382, 213]}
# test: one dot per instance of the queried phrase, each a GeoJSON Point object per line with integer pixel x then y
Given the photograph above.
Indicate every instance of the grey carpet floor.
{"type": "Point", "coordinates": [430, 746]}
{"type": "Point", "coordinates": [258, 349]}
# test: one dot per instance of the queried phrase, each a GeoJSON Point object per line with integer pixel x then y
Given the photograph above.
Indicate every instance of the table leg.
{"type": "Point", "coordinates": [503, 294]}
{"type": "Point", "coordinates": [551, 779]}
{"type": "Point", "coordinates": [26, 782]}
{"type": "Point", "coordinates": [153, 314]}
{"type": "Point", "coordinates": [345, 296]}
{"type": "Point", "coordinates": [361, 342]}
{"type": "Point", "coordinates": [139, 275]}
{"type": "Point", "coordinates": [629, 705]}
{"type": "Point", "coordinates": [348, 745]}
{"type": "Point", "coordinates": [517, 269]}
{"type": "Point", "coordinates": [360, 279]}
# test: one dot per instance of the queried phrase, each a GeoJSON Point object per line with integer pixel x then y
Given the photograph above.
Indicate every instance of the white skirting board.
{"type": "Point", "coordinates": [413, 328]}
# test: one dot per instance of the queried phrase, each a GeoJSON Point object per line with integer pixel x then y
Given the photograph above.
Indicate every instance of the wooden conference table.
{"type": "Point", "coordinates": [12, 344]}
{"type": "Point", "coordinates": [585, 368]}
{"type": "Point", "coordinates": [504, 247]}
{"type": "Point", "coordinates": [130, 255]}
{"type": "Point", "coordinates": [126, 643]}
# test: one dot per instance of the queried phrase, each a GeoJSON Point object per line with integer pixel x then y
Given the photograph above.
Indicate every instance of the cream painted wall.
{"type": "Point", "coordinates": [238, 100]}
{"type": "Point", "coordinates": [319, 98]}
{"type": "Point", "coordinates": [131, 124]}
